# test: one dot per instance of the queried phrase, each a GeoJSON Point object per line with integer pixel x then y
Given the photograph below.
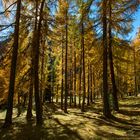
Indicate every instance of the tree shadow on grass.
{"type": "Point", "coordinates": [29, 131]}
{"type": "Point", "coordinates": [129, 112]}
{"type": "Point", "coordinates": [71, 134]}
{"type": "Point", "coordinates": [109, 135]}
{"type": "Point", "coordinates": [131, 105]}
{"type": "Point", "coordinates": [123, 121]}
{"type": "Point", "coordinates": [131, 130]}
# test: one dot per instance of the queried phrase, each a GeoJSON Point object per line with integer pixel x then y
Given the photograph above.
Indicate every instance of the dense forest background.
{"type": "Point", "coordinates": [67, 54]}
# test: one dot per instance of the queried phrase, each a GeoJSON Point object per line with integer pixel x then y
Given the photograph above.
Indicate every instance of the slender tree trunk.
{"type": "Point", "coordinates": [29, 109]}
{"type": "Point", "coordinates": [91, 84]}
{"type": "Point", "coordinates": [115, 98]}
{"type": "Point", "coordinates": [66, 57]}
{"type": "Point", "coordinates": [38, 104]}
{"type": "Point", "coordinates": [83, 64]}
{"type": "Point", "coordinates": [42, 73]}
{"type": "Point", "coordinates": [126, 78]}
{"type": "Point", "coordinates": [88, 91]}
{"type": "Point", "coordinates": [106, 107]}
{"type": "Point", "coordinates": [57, 88]}
{"type": "Point", "coordinates": [71, 76]}
{"type": "Point", "coordinates": [71, 85]}
{"type": "Point", "coordinates": [135, 76]}
{"type": "Point", "coordinates": [80, 79]}
{"type": "Point", "coordinates": [19, 105]}
{"type": "Point", "coordinates": [31, 88]}
{"type": "Point", "coordinates": [8, 119]}
{"type": "Point", "coordinates": [94, 85]}
{"type": "Point", "coordinates": [74, 78]}
{"type": "Point", "coordinates": [62, 82]}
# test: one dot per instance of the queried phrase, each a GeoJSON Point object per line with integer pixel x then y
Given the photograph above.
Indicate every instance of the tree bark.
{"type": "Point", "coordinates": [8, 119]}
{"type": "Point", "coordinates": [66, 57]}
{"type": "Point", "coordinates": [62, 81]}
{"type": "Point", "coordinates": [115, 98]}
{"type": "Point", "coordinates": [57, 88]}
{"type": "Point", "coordinates": [19, 105]}
{"type": "Point", "coordinates": [88, 91]}
{"type": "Point", "coordinates": [94, 85]}
{"type": "Point", "coordinates": [80, 78]}
{"type": "Point", "coordinates": [29, 109]}
{"type": "Point", "coordinates": [106, 107]}
{"type": "Point", "coordinates": [74, 78]}
{"type": "Point", "coordinates": [38, 104]}
{"type": "Point", "coordinates": [42, 72]}
{"type": "Point", "coordinates": [135, 76]}
{"type": "Point", "coordinates": [83, 63]}
{"type": "Point", "coordinates": [91, 84]}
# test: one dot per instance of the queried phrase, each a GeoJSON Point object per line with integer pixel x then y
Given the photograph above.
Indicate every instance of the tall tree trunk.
{"type": "Point", "coordinates": [74, 77]}
{"type": "Point", "coordinates": [135, 76]}
{"type": "Point", "coordinates": [8, 119]}
{"type": "Point", "coordinates": [94, 85]}
{"type": "Point", "coordinates": [83, 63]}
{"type": "Point", "coordinates": [38, 104]}
{"type": "Point", "coordinates": [29, 109]}
{"type": "Point", "coordinates": [70, 89]}
{"type": "Point", "coordinates": [42, 73]}
{"type": "Point", "coordinates": [88, 91]}
{"type": "Point", "coordinates": [91, 84]}
{"type": "Point", "coordinates": [57, 88]}
{"type": "Point", "coordinates": [19, 105]}
{"type": "Point", "coordinates": [62, 81]}
{"type": "Point", "coordinates": [115, 98]}
{"type": "Point", "coordinates": [66, 57]}
{"type": "Point", "coordinates": [71, 76]}
{"type": "Point", "coordinates": [106, 107]}
{"type": "Point", "coordinates": [80, 78]}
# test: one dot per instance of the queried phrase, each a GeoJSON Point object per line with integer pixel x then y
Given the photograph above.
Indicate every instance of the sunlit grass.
{"type": "Point", "coordinates": [76, 125]}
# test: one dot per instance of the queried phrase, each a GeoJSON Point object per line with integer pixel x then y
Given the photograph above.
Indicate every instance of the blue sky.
{"type": "Point", "coordinates": [131, 35]}
{"type": "Point", "coordinates": [136, 25]}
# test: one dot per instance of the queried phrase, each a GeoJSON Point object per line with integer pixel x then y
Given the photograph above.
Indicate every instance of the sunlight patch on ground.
{"type": "Point", "coordinates": [77, 125]}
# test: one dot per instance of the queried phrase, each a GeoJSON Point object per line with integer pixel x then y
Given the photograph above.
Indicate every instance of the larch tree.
{"type": "Point", "coordinates": [66, 56]}
{"type": "Point", "coordinates": [8, 119]}
{"type": "Point", "coordinates": [36, 61]}
{"type": "Point", "coordinates": [115, 98]}
{"type": "Point", "coordinates": [106, 107]}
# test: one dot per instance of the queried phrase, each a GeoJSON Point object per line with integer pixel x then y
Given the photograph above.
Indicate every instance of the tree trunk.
{"type": "Point", "coordinates": [42, 73]}
{"type": "Point", "coordinates": [8, 119]}
{"type": "Point", "coordinates": [135, 74]}
{"type": "Point", "coordinates": [57, 88]}
{"type": "Point", "coordinates": [69, 89]}
{"type": "Point", "coordinates": [19, 105]}
{"type": "Point", "coordinates": [115, 98]}
{"type": "Point", "coordinates": [88, 91]}
{"type": "Point", "coordinates": [80, 79]}
{"type": "Point", "coordinates": [38, 104]}
{"type": "Point", "coordinates": [91, 84]}
{"type": "Point", "coordinates": [71, 77]}
{"type": "Point", "coordinates": [29, 109]}
{"type": "Point", "coordinates": [106, 107]}
{"type": "Point", "coordinates": [62, 82]}
{"type": "Point", "coordinates": [74, 78]}
{"type": "Point", "coordinates": [83, 64]}
{"type": "Point", "coordinates": [94, 85]}
{"type": "Point", "coordinates": [66, 57]}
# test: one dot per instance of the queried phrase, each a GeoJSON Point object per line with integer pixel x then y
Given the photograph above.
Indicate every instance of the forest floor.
{"type": "Point", "coordinates": [90, 125]}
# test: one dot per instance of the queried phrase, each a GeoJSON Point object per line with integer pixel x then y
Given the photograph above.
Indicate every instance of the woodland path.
{"type": "Point", "coordinates": [75, 125]}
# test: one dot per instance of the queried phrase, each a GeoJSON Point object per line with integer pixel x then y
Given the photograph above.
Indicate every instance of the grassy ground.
{"type": "Point", "coordinates": [90, 125]}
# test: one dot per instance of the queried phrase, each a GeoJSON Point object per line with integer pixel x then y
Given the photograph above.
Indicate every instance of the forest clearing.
{"type": "Point", "coordinates": [75, 125]}
{"type": "Point", "coordinates": [69, 69]}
